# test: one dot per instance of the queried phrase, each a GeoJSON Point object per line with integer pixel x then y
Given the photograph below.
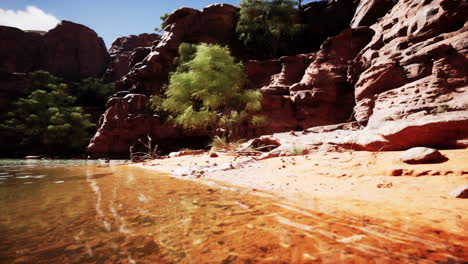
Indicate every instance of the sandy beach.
{"type": "Point", "coordinates": [362, 184]}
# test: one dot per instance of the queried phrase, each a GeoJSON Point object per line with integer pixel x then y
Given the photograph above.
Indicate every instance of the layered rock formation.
{"type": "Point", "coordinates": [123, 54]}
{"type": "Point", "coordinates": [127, 122]}
{"type": "Point", "coordinates": [216, 24]}
{"type": "Point", "coordinates": [400, 71]}
{"type": "Point", "coordinates": [213, 24]}
{"type": "Point", "coordinates": [411, 80]}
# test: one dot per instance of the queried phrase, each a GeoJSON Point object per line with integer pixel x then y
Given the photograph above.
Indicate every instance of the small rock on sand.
{"type": "Point", "coordinates": [421, 155]}
{"type": "Point", "coordinates": [213, 155]}
{"type": "Point", "coordinates": [460, 192]}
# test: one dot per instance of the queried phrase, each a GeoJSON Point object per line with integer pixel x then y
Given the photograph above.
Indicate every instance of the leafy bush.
{"type": "Point", "coordinates": [46, 119]}
{"type": "Point", "coordinates": [92, 91]}
{"type": "Point", "coordinates": [297, 150]}
{"type": "Point", "coordinates": [222, 144]}
{"type": "Point", "coordinates": [266, 26]}
{"type": "Point", "coordinates": [207, 90]}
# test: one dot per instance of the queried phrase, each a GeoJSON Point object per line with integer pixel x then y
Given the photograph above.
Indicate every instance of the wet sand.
{"type": "Point", "coordinates": [358, 183]}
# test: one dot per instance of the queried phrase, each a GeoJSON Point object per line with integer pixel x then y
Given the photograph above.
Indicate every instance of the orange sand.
{"type": "Point", "coordinates": [355, 183]}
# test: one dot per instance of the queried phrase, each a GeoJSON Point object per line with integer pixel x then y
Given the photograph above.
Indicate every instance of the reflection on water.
{"type": "Point", "coordinates": [72, 212]}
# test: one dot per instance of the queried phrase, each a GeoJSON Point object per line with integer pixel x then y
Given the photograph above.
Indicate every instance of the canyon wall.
{"type": "Point", "coordinates": [396, 69]}
{"type": "Point", "coordinates": [216, 24]}
{"type": "Point", "coordinates": [70, 51]}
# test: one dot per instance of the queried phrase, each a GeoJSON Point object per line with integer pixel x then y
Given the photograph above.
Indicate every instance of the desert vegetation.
{"type": "Point", "coordinates": [266, 28]}
{"type": "Point", "coordinates": [207, 91]}
{"type": "Point", "coordinates": [47, 118]}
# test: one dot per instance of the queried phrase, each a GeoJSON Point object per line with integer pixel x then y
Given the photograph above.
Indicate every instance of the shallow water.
{"type": "Point", "coordinates": [93, 212]}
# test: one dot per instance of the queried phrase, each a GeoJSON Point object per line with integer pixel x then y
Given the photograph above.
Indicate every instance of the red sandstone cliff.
{"type": "Point", "coordinates": [397, 67]}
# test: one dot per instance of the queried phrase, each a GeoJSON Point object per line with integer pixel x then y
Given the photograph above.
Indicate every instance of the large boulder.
{"type": "Point", "coordinates": [122, 54]}
{"type": "Point", "coordinates": [128, 120]}
{"type": "Point", "coordinates": [123, 123]}
{"type": "Point", "coordinates": [421, 155]}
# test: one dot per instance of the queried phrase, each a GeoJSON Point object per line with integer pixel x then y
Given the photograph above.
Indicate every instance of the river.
{"type": "Point", "coordinates": [97, 212]}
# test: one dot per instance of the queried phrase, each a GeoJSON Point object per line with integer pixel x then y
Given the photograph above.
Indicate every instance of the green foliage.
{"type": "Point", "coordinates": [207, 90]}
{"type": "Point", "coordinates": [163, 22]}
{"type": "Point", "coordinates": [93, 92]}
{"type": "Point", "coordinates": [259, 120]}
{"type": "Point", "coordinates": [46, 119]}
{"type": "Point", "coordinates": [222, 144]}
{"type": "Point", "coordinates": [297, 150]}
{"type": "Point", "coordinates": [266, 26]}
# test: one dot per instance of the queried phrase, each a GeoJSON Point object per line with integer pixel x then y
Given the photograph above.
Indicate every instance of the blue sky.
{"type": "Point", "coordinates": [110, 19]}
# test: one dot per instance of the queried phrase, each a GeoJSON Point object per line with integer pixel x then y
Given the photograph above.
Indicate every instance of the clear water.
{"type": "Point", "coordinates": [94, 212]}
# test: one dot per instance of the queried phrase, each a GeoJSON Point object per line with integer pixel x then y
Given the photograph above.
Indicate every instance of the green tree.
{"type": "Point", "coordinates": [207, 90]}
{"type": "Point", "coordinates": [266, 27]}
{"type": "Point", "coordinates": [92, 92]}
{"type": "Point", "coordinates": [46, 119]}
{"type": "Point", "coordinates": [163, 22]}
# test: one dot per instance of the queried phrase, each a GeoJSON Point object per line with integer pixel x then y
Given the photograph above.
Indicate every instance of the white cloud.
{"type": "Point", "coordinates": [32, 18]}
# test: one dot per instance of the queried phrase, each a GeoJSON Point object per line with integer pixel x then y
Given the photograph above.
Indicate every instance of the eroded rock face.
{"type": "Point", "coordinates": [412, 80]}
{"type": "Point", "coordinates": [326, 19]}
{"type": "Point", "coordinates": [368, 12]}
{"type": "Point", "coordinates": [400, 71]}
{"type": "Point", "coordinates": [325, 91]}
{"type": "Point", "coordinates": [308, 90]}
{"type": "Point", "coordinates": [128, 119]}
{"type": "Point", "coordinates": [122, 54]}
{"type": "Point", "coordinates": [123, 123]}
{"type": "Point", "coordinates": [214, 24]}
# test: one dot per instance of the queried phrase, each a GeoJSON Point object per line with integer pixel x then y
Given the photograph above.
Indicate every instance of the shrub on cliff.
{"type": "Point", "coordinates": [163, 23]}
{"type": "Point", "coordinates": [46, 120]}
{"type": "Point", "coordinates": [207, 90]}
{"type": "Point", "coordinates": [267, 27]}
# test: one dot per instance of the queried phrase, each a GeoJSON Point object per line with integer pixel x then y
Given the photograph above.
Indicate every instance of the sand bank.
{"type": "Point", "coordinates": [362, 184]}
